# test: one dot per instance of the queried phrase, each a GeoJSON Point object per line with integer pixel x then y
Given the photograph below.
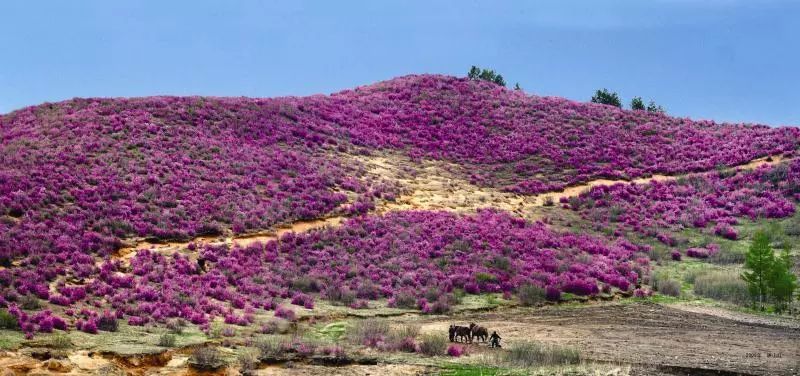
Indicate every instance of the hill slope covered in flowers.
{"type": "Point", "coordinates": [80, 178]}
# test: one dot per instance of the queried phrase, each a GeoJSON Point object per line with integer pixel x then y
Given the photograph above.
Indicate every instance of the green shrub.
{"type": "Point", "coordinates": [528, 354]}
{"type": "Point", "coordinates": [30, 302]}
{"type": "Point", "coordinates": [499, 263]}
{"type": "Point", "coordinates": [433, 344]}
{"type": "Point", "coordinates": [7, 320]}
{"type": "Point", "coordinates": [60, 341]}
{"type": "Point", "coordinates": [166, 340]}
{"type": "Point", "coordinates": [530, 295]}
{"type": "Point", "coordinates": [722, 285]}
{"type": "Point", "coordinates": [692, 274]}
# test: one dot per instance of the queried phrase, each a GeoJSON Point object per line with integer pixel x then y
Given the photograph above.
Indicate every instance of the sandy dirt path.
{"type": "Point", "coordinates": [432, 187]}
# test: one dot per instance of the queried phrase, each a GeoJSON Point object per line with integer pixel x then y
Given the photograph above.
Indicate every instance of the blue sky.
{"type": "Point", "coordinates": [707, 59]}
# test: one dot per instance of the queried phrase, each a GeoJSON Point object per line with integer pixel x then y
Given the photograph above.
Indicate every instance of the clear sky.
{"type": "Point", "coordinates": [708, 59]}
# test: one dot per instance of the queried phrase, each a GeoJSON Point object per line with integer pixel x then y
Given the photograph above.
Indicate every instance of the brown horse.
{"type": "Point", "coordinates": [477, 331]}
{"type": "Point", "coordinates": [462, 332]}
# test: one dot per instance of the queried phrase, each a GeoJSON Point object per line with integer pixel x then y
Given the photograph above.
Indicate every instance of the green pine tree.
{"type": "Point", "coordinates": [759, 263]}
{"type": "Point", "coordinates": [653, 107]}
{"type": "Point", "coordinates": [782, 282]}
{"type": "Point", "coordinates": [607, 97]}
{"type": "Point", "coordinates": [637, 103]}
{"type": "Point", "coordinates": [474, 72]}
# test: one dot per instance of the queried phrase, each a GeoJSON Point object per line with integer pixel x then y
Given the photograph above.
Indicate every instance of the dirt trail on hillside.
{"type": "Point", "coordinates": [430, 186]}
{"type": "Point", "coordinates": [433, 187]}
{"type": "Point", "coordinates": [664, 339]}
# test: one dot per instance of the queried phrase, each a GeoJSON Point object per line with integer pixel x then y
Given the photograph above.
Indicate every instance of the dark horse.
{"type": "Point", "coordinates": [479, 332]}
{"type": "Point", "coordinates": [461, 332]}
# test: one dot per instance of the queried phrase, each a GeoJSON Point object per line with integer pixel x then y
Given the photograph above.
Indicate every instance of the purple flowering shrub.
{"type": "Point", "coordinates": [402, 255]}
{"type": "Point", "coordinates": [80, 175]}
{"type": "Point", "coordinates": [696, 201]}
{"type": "Point", "coordinates": [506, 137]}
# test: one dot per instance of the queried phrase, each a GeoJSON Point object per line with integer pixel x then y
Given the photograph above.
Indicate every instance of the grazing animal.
{"type": "Point", "coordinates": [460, 332]}
{"type": "Point", "coordinates": [451, 331]}
{"type": "Point", "coordinates": [478, 331]}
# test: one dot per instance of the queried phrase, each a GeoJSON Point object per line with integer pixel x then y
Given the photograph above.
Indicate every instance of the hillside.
{"type": "Point", "coordinates": [415, 195]}
{"type": "Point", "coordinates": [173, 168]}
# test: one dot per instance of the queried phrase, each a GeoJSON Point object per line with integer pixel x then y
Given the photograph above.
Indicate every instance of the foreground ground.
{"type": "Point", "coordinates": [619, 337]}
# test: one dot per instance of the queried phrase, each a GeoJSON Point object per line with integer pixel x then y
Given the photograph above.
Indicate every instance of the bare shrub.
{"type": "Point", "coordinates": [527, 354]}
{"type": "Point", "coordinates": [727, 255]}
{"type": "Point", "coordinates": [722, 285]}
{"type": "Point", "coordinates": [402, 338]}
{"type": "Point", "coordinates": [337, 294]}
{"type": "Point", "coordinates": [206, 359]}
{"type": "Point", "coordinates": [405, 300]}
{"type": "Point", "coordinates": [176, 326]}
{"type": "Point", "coordinates": [108, 323]}
{"type": "Point", "coordinates": [271, 347]}
{"type": "Point", "coordinates": [530, 295]}
{"type": "Point", "coordinates": [166, 340]}
{"type": "Point", "coordinates": [433, 344]}
{"type": "Point", "coordinates": [30, 302]}
{"type": "Point", "coordinates": [665, 285]}
{"type": "Point", "coordinates": [276, 326]}
{"type": "Point", "coordinates": [369, 332]}
{"type": "Point", "coordinates": [247, 362]}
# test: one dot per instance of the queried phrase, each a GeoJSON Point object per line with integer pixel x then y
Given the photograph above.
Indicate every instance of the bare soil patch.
{"type": "Point", "coordinates": [653, 337]}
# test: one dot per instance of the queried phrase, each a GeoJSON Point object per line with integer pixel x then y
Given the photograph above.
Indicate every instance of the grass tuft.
{"type": "Point", "coordinates": [529, 354]}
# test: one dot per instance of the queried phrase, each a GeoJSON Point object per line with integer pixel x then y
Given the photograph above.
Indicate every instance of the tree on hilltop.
{"type": "Point", "coordinates": [607, 97]}
{"type": "Point", "coordinates": [637, 103]}
{"type": "Point", "coordinates": [490, 75]}
{"type": "Point", "coordinates": [654, 108]}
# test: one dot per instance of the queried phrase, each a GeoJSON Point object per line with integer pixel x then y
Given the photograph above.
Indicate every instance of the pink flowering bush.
{"type": "Point", "coordinates": [455, 351]}
{"type": "Point", "coordinates": [656, 208]}
{"type": "Point", "coordinates": [82, 176]}
{"type": "Point", "coordinates": [504, 137]}
{"type": "Point", "coordinates": [404, 256]}
{"type": "Point", "coordinates": [698, 252]}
